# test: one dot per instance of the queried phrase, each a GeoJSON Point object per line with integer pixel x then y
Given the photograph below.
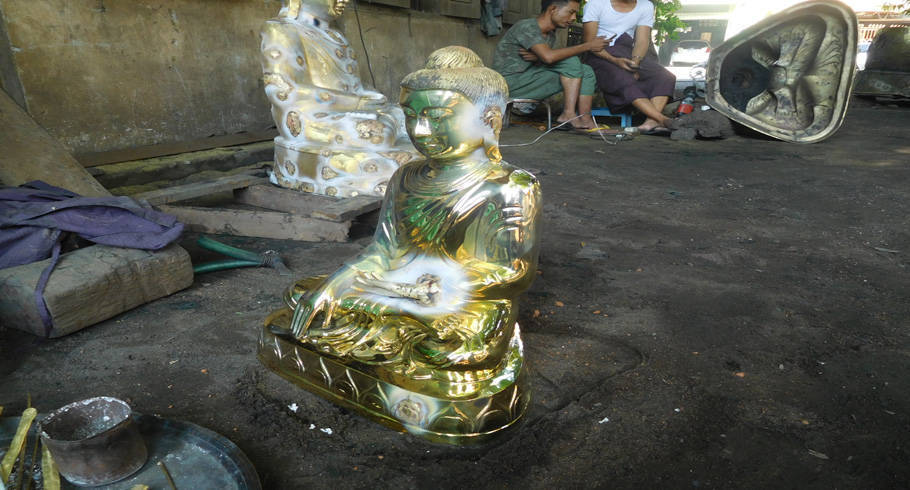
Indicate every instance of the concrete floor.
{"type": "Point", "coordinates": [712, 314]}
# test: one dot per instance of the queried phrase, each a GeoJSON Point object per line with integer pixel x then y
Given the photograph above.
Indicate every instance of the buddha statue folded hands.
{"type": "Point", "coordinates": [428, 310]}
{"type": "Point", "coordinates": [335, 136]}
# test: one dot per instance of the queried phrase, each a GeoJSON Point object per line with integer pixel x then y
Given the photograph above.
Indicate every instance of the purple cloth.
{"type": "Point", "coordinates": [34, 217]}
{"type": "Point", "coordinates": [619, 86]}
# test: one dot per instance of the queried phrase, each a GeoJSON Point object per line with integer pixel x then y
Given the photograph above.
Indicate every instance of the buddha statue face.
{"type": "Point", "coordinates": [323, 9]}
{"type": "Point", "coordinates": [442, 124]}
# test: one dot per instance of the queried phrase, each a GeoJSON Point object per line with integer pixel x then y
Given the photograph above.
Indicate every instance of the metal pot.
{"type": "Point", "coordinates": [94, 441]}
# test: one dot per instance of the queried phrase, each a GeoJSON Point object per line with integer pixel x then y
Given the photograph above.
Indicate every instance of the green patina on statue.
{"type": "Point", "coordinates": [419, 329]}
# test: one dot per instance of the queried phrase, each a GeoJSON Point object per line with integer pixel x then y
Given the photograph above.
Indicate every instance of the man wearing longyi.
{"type": "Point", "coordinates": [534, 69]}
{"type": "Point", "coordinates": [624, 74]}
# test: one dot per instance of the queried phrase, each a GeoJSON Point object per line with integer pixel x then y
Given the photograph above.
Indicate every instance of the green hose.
{"type": "Point", "coordinates": [216, 246]}
{"type": "Point", "coordinates": [243, 258]}
{"type": "Point", "coordinates": [221, 265]}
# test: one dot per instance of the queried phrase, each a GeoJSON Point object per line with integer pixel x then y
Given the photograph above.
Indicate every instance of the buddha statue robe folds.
{"type": "Point", "coordinates": [419, 331]}
{"type": "Point", "coordinates": [335, 136]}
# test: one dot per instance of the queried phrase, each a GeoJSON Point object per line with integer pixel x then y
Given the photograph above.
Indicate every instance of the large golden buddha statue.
{"type": "Point", "coordinates": [419, 330]}
{"type": "Point", "coordinates": [335, 136]}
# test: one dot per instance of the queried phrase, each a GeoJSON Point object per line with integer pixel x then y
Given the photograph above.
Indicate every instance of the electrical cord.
{"type": "Point", "coordinates": [554, 128]}
{"type": "Point", "coordinates": [366, 54]}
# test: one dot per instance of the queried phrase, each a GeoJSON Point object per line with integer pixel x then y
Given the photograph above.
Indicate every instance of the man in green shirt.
{"type": "Point", "coordinates": [526, 58]}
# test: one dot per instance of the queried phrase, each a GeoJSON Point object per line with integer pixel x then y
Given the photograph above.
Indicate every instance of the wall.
{"type": "Point", "coordinates": [107, 75]}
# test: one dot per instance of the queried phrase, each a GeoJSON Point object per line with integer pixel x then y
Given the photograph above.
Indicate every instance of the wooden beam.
{"type": "Point", "coordinates": [30, 153]}
{"type": "Point", "coordinates": [90, 285]}
{"type": "Point", "coordinates": [306, 204]}
{"type": "Point", "coordinates": [265, 224]}
{"type": "Point", "coordinates": [164, 149]}
{"type": "Point", "coordinates": [348, 208]}
{"type": "Point", "coordinates": [199, 189]}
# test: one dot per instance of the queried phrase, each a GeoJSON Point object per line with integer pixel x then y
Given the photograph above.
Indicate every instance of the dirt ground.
{"type": "Point", "coordinates": [709, 314]}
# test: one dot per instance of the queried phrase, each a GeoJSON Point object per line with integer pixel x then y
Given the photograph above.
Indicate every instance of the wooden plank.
{"type": "Point", "coordinates": [461, 8]}
{"type": "Point", "coordinates": [199, 189]}
{"type": "Point", "coordinates": [90, 285]}
{"type": "Point", "coordinates": [306, 204]}
{"type": "Point", "coordinates": [30, 153]}
{"type": "Point", "coordinates": [349, 208]}
{"type": "Point", "coordinates": [281, 199]}
{"type": "Point", "coordinates": [265, 224]}
{"type": "Point", "coordinates": [164, 149]}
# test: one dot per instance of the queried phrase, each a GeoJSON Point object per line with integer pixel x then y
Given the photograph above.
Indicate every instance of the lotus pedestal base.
{"type": "Point", "coordinates": [450, 408]}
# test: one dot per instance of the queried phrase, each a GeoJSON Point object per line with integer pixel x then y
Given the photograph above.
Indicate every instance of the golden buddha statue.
{"type": "Point", "coordinates": [335, 136]}
{"type": "Point", "coordinates": [425, 316]}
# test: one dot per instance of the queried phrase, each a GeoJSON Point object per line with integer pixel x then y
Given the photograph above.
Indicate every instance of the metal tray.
{"type": "Point", "coordinates": [196, 457]}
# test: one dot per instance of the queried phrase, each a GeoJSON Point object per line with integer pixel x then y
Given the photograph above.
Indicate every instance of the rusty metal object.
{"type": "Point", "coordinates": [94, 441]}
{"type": "Point", "coordinates": [789, 76]}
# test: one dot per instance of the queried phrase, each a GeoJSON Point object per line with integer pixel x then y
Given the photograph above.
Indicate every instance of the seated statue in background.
{"type": "Point", "coordinates": [430, 306]}
{"type": "Point", "coordinates": [335, 137]}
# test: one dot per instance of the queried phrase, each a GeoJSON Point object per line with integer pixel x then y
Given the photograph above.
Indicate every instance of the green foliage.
{"type": "Point", "coordinates": [666, 24]}
{"type": "Point", "coordinates": [902, 7]}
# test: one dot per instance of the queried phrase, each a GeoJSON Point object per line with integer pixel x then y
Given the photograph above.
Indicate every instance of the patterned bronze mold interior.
{"type": "Point", "coordinates": [789, 76]}
{"type": "Point", "coordinates": [432, 409]}
{"type": "Point", "coordinates": [887, 70]}
{"type": "Point", "coordinates": [94, 441]}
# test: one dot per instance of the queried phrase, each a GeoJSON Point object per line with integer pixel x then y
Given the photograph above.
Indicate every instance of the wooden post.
{"type": "Point", "coordinates": [29, 153]}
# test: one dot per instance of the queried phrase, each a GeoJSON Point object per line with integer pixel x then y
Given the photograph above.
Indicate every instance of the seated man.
{"type": "Point", "coordinates": [533, 69]}
{"type": "Point", "coordinates": [624, 75]}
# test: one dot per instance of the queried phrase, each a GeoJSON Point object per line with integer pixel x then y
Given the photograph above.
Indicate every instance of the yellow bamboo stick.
{"type": "Point", "coordinates": [25, 423]}
{"type": "Point", "coordinates": [49, 470]}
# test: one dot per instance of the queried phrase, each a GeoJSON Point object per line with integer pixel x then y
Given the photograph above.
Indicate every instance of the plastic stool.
{"type": "Point", "coordinates": [508, 114]}
{"type": "Point", "coordinates": [625, 120]}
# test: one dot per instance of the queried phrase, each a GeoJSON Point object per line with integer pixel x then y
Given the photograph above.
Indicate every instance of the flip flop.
{"type": "Point", "coordinates": [565, 126]}
{"type": "Point", "coordinates": [600, 130]}
{"type": "Point", "coordinates": [611, 137]}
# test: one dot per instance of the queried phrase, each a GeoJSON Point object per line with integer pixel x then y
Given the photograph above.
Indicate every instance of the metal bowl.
{"type": "Point", "coordinates": [94, 441]}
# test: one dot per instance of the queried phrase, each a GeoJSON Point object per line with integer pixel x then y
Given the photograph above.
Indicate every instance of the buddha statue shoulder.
{"type": "Point", "coordinates": [431, 304]}
{"type": "Point", "coordinates": [335, 136]}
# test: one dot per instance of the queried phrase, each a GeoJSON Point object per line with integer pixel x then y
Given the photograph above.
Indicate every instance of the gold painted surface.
{"type": "Point", "coordinates": [318, 103]}
{"type": "Point", "coordinates": [437, 410]}
{"type": "Point", "coordinates": [430, 306]}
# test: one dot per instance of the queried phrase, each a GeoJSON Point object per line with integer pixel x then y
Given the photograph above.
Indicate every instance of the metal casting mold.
{"type": "Point", "coordinates": [789, 76]}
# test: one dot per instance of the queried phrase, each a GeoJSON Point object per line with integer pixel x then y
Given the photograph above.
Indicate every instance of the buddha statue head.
{"type": "Point", "coordinates": [453, 107]}
{"type": "Point", "coordinates": [321, 9]}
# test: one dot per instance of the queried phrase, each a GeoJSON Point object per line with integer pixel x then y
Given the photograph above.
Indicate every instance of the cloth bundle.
{"type": "Point", "coordinates": [35, 216]}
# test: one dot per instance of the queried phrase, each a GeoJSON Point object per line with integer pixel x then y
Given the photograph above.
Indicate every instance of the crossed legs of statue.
{"type": "Point", "coordinates": [378, 330]}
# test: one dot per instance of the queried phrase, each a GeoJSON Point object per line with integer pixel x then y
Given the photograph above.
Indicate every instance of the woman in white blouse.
{"type": "Point", "coordinates": [623, 74]}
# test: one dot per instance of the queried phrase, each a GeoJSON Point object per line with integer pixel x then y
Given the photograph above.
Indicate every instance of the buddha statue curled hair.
{"type": "Point", "coordinates": [459, 69]}
{"type": "Point", "coordinates": [427, 312]}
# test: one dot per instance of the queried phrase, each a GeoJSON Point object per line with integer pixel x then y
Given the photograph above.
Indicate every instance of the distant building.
{"type": "Point", "coordinates": [715, 21]}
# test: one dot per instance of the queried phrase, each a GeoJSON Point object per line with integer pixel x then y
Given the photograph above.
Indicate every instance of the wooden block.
{"type": "Point", "coordinates": [152, 151]}
{"type": "Point", "coordinates": [30, 153]}
{"type": "Point", "coordinates": [306, 204]}
{"type": "Point", "coordinates": [348, 208]}
{"type": "Point", "coordinates": [265, 224]}
{"type": "Point", "coordinates": [90, 285]}
{"type": "Point", "coordinates": [199, 189]}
